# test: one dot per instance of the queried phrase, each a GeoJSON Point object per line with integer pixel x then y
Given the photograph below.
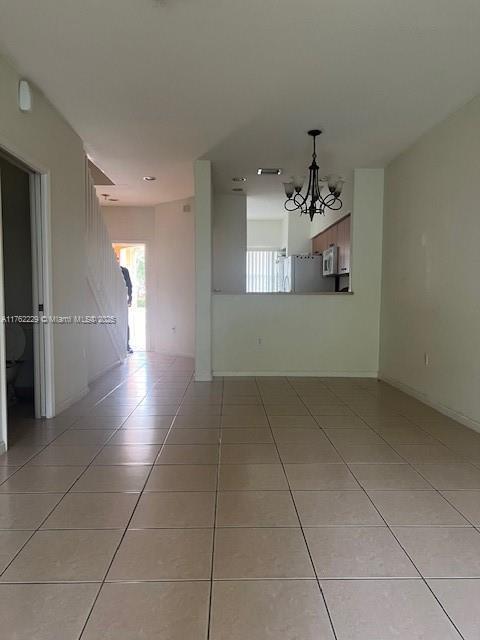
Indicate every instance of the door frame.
{"type": "Point", "coordinates": [41, 241]}
{"type": "Point", "coordinates": [145, 245]}
{"type": "Point", "coordinates": [42, 295]}
{"type": "Point", "coordinates": [3, 359]}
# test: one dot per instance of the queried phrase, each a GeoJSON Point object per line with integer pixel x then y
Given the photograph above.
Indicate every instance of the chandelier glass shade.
{"type": "Point", "coordinates": [313, 201]}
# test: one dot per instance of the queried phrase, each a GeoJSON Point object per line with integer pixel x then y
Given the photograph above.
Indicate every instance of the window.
{"type": "Point", "coordinates": [262, 271]}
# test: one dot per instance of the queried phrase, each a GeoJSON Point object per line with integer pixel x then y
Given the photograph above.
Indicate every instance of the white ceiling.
{"type": "Point", "coordinates": [150, 85]}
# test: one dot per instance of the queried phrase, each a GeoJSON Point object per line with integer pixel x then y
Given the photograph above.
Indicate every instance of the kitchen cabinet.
{"type": "Point", "coordinates": [343, 243]}
{"type": "Point", "coordinates": [324, 240]}
{"type": "Point", "coordinates": [337, 234]}
{"type": "Point", "coordinates": [318, 244]}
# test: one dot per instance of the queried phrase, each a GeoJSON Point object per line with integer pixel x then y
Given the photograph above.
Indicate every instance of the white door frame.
{"type": "Point", "coordinates": [145, 245]}
{"type": "Point", "coordinates": [42, 295]}
{"type": "Point", "coordinates": [3, 358]}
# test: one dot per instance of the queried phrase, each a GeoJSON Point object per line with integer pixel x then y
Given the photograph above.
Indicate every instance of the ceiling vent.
{"type": "Point", "coordinates": [263, 171]}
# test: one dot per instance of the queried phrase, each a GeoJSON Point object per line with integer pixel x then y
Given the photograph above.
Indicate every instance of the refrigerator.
{"type": "Point", "coordinates": [303, 274]}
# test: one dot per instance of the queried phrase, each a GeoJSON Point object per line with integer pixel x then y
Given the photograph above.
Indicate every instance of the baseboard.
{"type": "Point", "coordinates": [3, 448]}
{"type": "Point", "coordinates": [65, 404]}
{"type": "Point", "coordinates": [105, 370]}
{"type": "Point", "coordinates": [203, 376]}
{"type": "Point", "coordinates": [299, 374]}
{"type": "Point", "coordinates": [173, 355]}
{"type": "Point", "coordinates": [423, 397]}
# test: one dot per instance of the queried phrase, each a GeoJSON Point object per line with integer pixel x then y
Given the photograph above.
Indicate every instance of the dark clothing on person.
{"type": "Point", "coordinates": [128, 283]}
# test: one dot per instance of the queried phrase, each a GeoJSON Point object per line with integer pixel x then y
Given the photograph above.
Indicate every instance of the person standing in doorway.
{"type": "Point", "coordinates": [128, 284]}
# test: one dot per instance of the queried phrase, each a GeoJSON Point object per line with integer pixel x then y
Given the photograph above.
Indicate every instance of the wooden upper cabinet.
{"type": "Point", "coordinates": [339, 235]}
{"type": "Point", "coordinates": [343, 242]}
{"type": "Point", "coordinates": [319, 243]}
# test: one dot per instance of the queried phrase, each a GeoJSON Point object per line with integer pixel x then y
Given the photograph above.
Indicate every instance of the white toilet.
{"type": "Point", "coordinates": [15, 342]}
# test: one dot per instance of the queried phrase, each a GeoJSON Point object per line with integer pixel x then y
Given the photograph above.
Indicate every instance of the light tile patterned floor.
{"type": "Point", "coordinates": [267, 509]}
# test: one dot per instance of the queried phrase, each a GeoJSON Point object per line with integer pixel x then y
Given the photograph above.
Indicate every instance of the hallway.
{"type": "Point", "coordinates": [259, 508]}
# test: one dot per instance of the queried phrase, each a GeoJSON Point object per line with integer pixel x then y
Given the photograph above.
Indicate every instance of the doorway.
{"type": "Point", "coordinates": [132, 256]}
{"type": "Point", "coordinates": [26, 368]}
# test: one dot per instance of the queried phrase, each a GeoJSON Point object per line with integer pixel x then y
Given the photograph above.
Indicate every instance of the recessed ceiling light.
{"type": "Point", "coordinates": [149, 178]}
{"type": "Point", "coordinates": [263, 171]}
{"type": "Point", "coordinates": [239, 179]}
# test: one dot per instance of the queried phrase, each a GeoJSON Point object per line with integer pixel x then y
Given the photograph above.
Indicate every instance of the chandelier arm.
{"type": "Point", "coordinates": [325, 200]}
{"type": "Point", "coordinates": [290, 207]}
{"type": "Point", "coordinates": [333, 203]}
{"type": "Point", "coordinates": [299, 199]}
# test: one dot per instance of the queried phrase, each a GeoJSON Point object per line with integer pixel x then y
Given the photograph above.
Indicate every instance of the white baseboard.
{"type": "Point", "coordinates": [65, 404]}
{"type": "Point", "coordinates": [203, 376]}
{"type": "Point", "coordinates": [180, 354]}
{"type": "Point", "coordinates": [105, 370]}
{"type": "Point", "coordinates": [467, 421]}
{"type": "Point", "coordinates": [299, 374]}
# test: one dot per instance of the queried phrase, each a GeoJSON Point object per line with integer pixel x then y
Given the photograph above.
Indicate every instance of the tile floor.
{"type": "Point", "coordinates": [268, 508]}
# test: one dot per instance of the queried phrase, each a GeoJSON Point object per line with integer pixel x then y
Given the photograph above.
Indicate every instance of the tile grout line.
{"type": "Point", "coordinates": [407, 463]}
{"type": "Point", "coordinates": [422, 578]}
{"type": "Point", "coordinates": [64, 494]}
{"type": "Point", "coordinates": [330, 619]}
{"type": "Point", "coordinates": [411, 420]}
{"type": "Point", "coordinates": [411, 466]}
{"type": "Point", "coordinates": [122, 537]}
{"type": "Point", "coordinates": [214, 533]}
{"type": "Point", "coordinates": [39, 528]}
{"type": "Point", "coordinates": [120, 384]}
{"type": "Point", "coordinates": [142, 492]}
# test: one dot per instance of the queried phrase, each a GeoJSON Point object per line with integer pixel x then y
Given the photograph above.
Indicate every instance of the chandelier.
{"type": "Point", "coordinates": [313, 202]}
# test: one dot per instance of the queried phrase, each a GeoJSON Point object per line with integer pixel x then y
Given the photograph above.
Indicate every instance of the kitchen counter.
{"type": "Point", "coordinates": [282, 293]}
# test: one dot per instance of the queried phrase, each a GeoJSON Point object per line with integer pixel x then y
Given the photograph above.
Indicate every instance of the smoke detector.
{"type": "Point", "coordinates": [24, 96]}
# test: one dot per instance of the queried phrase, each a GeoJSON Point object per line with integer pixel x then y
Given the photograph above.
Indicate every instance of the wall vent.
{"type": "Point", "coordinates": [268, 171]}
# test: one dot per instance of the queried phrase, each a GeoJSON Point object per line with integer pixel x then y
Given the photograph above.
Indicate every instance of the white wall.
{"type": "Point", "coordinates": [431, 267]}
{"type": "Point", "coordinates": [168, 233]}
{"type": "Point", "coordinates": [229, 243]}
{"type": "Point", "coordinates": [174, 320]}
{"type": "Point", "coordinates": [130, 224]}
{"type": "Point", "coordinates": [45, 141]}
{"type": "Point", "coordinates": [311, 334]}
{"type": "Point", "coordinates": [299, 229]}
{"type": "Point", "coordinates": [100, 350]}
{"type": "Point", "coordinates": [265, 234]}
{"type": "Point", "coordinates": [203, 269]}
